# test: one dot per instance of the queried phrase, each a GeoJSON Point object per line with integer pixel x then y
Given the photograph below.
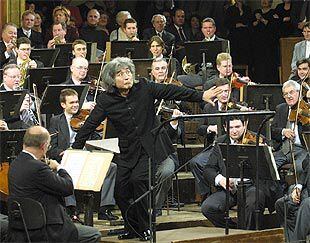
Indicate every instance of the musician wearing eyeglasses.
{"type": "Point", "coordinates": [8, 44]}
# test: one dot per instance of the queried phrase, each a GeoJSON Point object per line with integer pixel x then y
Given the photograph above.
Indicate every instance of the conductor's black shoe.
{"type": "Point", "coordinates": [127, 235]}
{"type": "Point", "coordinates": [106, 215]}
{"type": "Point", "coordinates": [145, 235]}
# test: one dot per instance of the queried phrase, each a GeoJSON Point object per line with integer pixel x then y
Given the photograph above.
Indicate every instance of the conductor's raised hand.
{"type": "Point", "coordinates": [210, 94]}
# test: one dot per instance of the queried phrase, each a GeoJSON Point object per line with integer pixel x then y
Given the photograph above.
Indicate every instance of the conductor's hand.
{"type": "Point", "coordinates": [175, 113]}
{"type": "Point", "coordinates": [53, 164]}
{"type": "Point", "coordinates": [288, 133]}
{"type": "Point", "coordinates": [209, 94]}
{"type": "Point", "coordinates": [296, 195]}
{"type": "Point", "coordinates": [223, 183]}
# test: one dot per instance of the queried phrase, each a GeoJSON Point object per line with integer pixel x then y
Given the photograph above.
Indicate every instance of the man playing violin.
{"type": "Point", "coordinates": [284, 130]}
{"type": "Point", "coordinates": [65, 137]}
{"type": "Point", "coordinates": [129, 105]}
{"type": "Point", "coordinates": [302, 74]}
{"type": "Point", "coordinates": [214, 173]}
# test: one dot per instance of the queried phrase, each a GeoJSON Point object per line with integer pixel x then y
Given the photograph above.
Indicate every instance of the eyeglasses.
{"type": "Point", "coordinates": [13, 76]}
{"type": "Point", "coordinates": [25, 49]}
{"type": "Point", "coordinates": [122, 74]}
{"type": "Point", "coordinates": [82, 68]}
{"type": "Point", "coordinates": [290, 93]}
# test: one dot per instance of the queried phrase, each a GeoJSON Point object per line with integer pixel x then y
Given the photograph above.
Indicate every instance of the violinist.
{"type": "Point", "coordinates": [302, 74]}
{"type": "Point", "coordinates": [8, 44]}
{"type": "Point", "coordinates": [29, 177]}
{"type": "Point", "coordinates": [79, 48]}
{"type": "Point", "coordinates": [283, 130]}
{"type": "Point", "coordinates": [60, 124]}
{"type": "Point", "coordinates": [131, 29]}
{"type": "Point", "coordinates": [214, 173]}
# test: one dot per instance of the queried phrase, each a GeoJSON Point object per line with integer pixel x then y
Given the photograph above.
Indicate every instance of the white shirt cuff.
{"type": "Point", "coordinates": [299, 186]}
{"type": "Point", "coordinates": [7, 55]}
{"type": "Point", "coordinates": [217, 180]}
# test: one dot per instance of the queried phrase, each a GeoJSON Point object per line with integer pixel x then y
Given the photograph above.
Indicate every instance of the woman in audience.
{"type": "Point", "coordinates": [283, 13]}
{"type": "Point", "coordinates": [103, 22]}
{"type": "Point", "coordinates": [195, 27]}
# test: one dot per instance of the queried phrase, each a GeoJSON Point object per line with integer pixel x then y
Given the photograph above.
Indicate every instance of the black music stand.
{"type": "Point", "coordinates": [46, 56]}
{"type": "Point", "coordinates": [50, 99]}
{"type": "Point", "coordinates": [45, 76]}
{"type": "Point", "coordinates": [242, 164]}
{"type": "Point", "coordinates": [10, 103]}
{"type": "Point", "coordinates": [131, 49]}
{"type": "Point", "coordinates": [195, 50]}
{"type": "Point", "coordinates": [94, 69]}
{"type": "Point", "coordinates": [143, 67]}
{"type": "Point", "coordinates": [11, 144]}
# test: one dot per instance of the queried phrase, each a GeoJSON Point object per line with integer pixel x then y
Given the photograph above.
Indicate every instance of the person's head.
{"type": "Point", "coordinates": [103, 20]}
{"type": "Point", "coordinates": [121, 16]}
{"type": "Point", "coordinates": [118, 73]}
{"type": "Point", "coordinates": [266, 3]}
{"type": "Point", "coordinates": [236, 126]}
{"type": "Point", "coordinates": [59, 30]}
{"type": "Point", "coordinates": [23, 50]}
{"type": "Point", "coordinates": [179, 17]}
{"type": "Point", "coordinates": [167, 15]}
{"type": "Point", "coordinates": [93, 16]}
{"type": "Point", "coordinates": [306, 31]}
{"type": "Point", "coordinates": [159, 22]}
{"type": "Point", "coordinates": [61, 15]}
{"type": "Point", "coordinates": [195, 21]}
{"type": "Point", "coordinates": [208, 27]}
{"type": "Point", "coordinates": [69, 101]}
{"type": "Point", "coordinates": [79, 68]}
{"type": "Point", "coordinates": [37, 141]}
{"type": "Point", "coordinates": [11, 76]}
{"type": "Point", "coordinates": [290, 91]}
{"type": "Point", "coordinates": [159, 69]}
{"type": "Point", "coordinates": [9, 32]}
{"type": "Point", "coordinates": [37, 20]}
{"type": "Point", "coordinates": [79, 48]}
{"type": "Point", "coordinates": [28, 18]}
{"type": "Point", "coordinates": [303, 66]}
{"type": "Point", "coordinates": [224, 64]}
{"type": "Point", "coordinates": [156, 46]}
{"type": "Point", "coordinates": [130, 28]}
{"type": "Point", "coordinates": [223, 84]}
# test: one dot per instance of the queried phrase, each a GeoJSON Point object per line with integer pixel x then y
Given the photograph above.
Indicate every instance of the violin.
{"type": "Point", "coordinates": [301, 113]}
{"type": "Point", "coordinates": [4, 184]}
{"type": "Point", "coordinates": [173, 81]}
{"type": "Point", "coordinates": [239, 82]}
{"type": "Point", "coordinates": [79, 119]}
{"type": "Point", "coordinates": [249, 137]}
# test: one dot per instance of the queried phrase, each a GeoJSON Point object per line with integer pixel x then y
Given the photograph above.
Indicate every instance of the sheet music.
{"type": "Point", "coordinates": [109, 144]}
{"type": "Point", "coordinates": [74, 169]}
{"type": "Point", "coordinates": [275, 169]}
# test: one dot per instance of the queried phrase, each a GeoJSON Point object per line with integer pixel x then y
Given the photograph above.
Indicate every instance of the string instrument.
{"type": "Point", "coordinates": [239, 82]}
{"type": "Point", "coordinates": [4, 184]}
{"type": "Point", "coordinates": [249, 137]}
{"type": "Point", "coordinates": [301, 113]}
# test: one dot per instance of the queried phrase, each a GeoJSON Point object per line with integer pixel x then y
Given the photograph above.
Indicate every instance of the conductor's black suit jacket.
{"type": "Point", "coordinates": [31, 178]}
{"type": "Point", "coordinates": [134, 119]}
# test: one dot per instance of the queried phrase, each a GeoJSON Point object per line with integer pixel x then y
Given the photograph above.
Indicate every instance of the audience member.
{"type": "Point", "coordinates": [8, 44]}
{"type": "Point", "coordinates": [87, 6]}
{"type": "Point", "coordinates": [131, 30]}
{"type": "Point", "coordinates": [300, 14]}
{"type": "Point", "coordinates": [103, 22]}
{"type": "Point", "coordinates": [119, 33]}
{"type": "Point", "coordinates": [195, 27]}
{"type": "Point", "coordinates": [283, 12]}
{"type": "Point", "coordinates": [37, 25]}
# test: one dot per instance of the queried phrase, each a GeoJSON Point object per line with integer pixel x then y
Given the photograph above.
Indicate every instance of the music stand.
{"type": "Point", "coordinates": [10, 103]}
{"type": "Point", "coordinates": [45, 76]}
{"type": "Point", "coordinates": [46, 56]}
{"type": "Point", "coordinates": [242, 164]}
{"type": "Point", "coordinates": [94, 69]}
{"type": "Point", "coordinates": [50, 99]}
{"type": "Point", "coordinates": [11, 144]}
{"type": "Point", "coordinates": [131, 49]}
{"type": "Point", "coordinates": [143, 67]}
{"type": "Point", "coordinates": [194, 51]}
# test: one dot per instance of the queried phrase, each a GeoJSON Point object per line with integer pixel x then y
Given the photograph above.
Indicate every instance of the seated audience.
{"type": "Point", "coordinates": [119, 33]}
{"type": "Point", "coordinates": [8, 44]}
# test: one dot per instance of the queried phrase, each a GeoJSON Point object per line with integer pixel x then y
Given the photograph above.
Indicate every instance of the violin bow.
{"type": "Point", "coordinates": [100, 73]}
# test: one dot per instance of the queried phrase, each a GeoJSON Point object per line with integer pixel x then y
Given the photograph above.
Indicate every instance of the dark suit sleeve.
{"type": "Point", "coordinates": [59, 184]}
{"type": "Point", "coordinates": [212, 168]}
{"type": "Point", "coordinates": [54, 150]}
{"type": "Point", "coordinates": [276, 129]}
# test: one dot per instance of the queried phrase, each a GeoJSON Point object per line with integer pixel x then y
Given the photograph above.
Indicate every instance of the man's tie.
{"type": "Point", "coordinates": [182, 35]}
{"type": "Point", "coordinates": [159, 34]}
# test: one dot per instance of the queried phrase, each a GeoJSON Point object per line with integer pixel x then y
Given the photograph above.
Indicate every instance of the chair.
{"type": "Point", "coordinates": [28, 215]}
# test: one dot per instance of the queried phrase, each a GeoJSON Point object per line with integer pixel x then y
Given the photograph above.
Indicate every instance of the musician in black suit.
{"type": "Point", "coordinates": [29, 177]}
{"type": "Point", "coordinates": [8, 44]}
{"type": "Point", "coordinates": [63, 140]}
{"type": "Point", "coordinates": [159, 24]}
{"type": "Point", "coordinates": [215, 174]}
{"type": "Point", "coordinates": [26, 30]}
{"type": "Point", "coordinates": [129, 106]}
{"type": "Point", "coordinates": [283, 130]}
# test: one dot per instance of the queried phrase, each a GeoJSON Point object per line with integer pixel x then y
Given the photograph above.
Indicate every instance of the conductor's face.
{"type": "Point", "coordinates": [71, 105]}
{"type": "Point", "coordinates": [124, 79]}
{"type": "Point", "coordinates": [236, 129]}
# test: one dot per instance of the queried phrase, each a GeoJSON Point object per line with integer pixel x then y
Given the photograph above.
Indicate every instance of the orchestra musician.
{"type": "Point", "coordinates": [8, 44]}
{"type": "Point", "coordinates": [282, 130]}
{"type": "Point", "coordinates": [129, 106]}
{"type": "Point", "coordinates": [65, 137]}
{"type": "Point", "coordinates": [131, 29]}
{"type": "Point", "coordinates": [29, 177]}
{"type": "Point", "coordinates": [59, 31]}
{"type": "Point", "coordinates": [79, 48]}
{"type": "Point", "coordinates": [213, 206]}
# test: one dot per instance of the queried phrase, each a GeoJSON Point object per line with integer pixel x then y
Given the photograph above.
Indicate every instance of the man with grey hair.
{"type": "Point", "coordinates": [284, 131]}
{"type": "Point", "coordinates": [159, 24]}
{"type": "Point", "coordinates": [129, 106]}
{"type": "Point", "coordinates": [119, 34]}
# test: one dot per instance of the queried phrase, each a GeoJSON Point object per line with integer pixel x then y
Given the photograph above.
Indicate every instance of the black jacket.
{"type": "Point", "coordinates": [134, 119]}
{"type": "Point", "coordinates": [167, 37]}
{"type": "Point", "coordinates": [35, 37]}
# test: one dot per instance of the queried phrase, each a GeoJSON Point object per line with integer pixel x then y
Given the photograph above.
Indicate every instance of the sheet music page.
{"type": "Point", "coordinates": [95, 170]}
{"type": "Point", "coordinates": [273, 162]}
{"type": "Point", "coordinates": [73, 161]}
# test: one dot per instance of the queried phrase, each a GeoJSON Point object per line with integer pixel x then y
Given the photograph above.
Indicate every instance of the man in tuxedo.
{"type": "Point", "coordinates": [8, 44]}
{"type": "Point", "coordinates": [215, 174]}
{"type": "Point", "coordinates": [29, 177]}
{"type": "Point", "coordinates": [284, 131]}
{"type": "Point", "coordinates": [159, 24]}
{"type": "Point", "coordinates": [65, 137]}
{"type": "Point", "coordinates": [26, 30]}
{"type": "Point", "coordinates": [302, 48]}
